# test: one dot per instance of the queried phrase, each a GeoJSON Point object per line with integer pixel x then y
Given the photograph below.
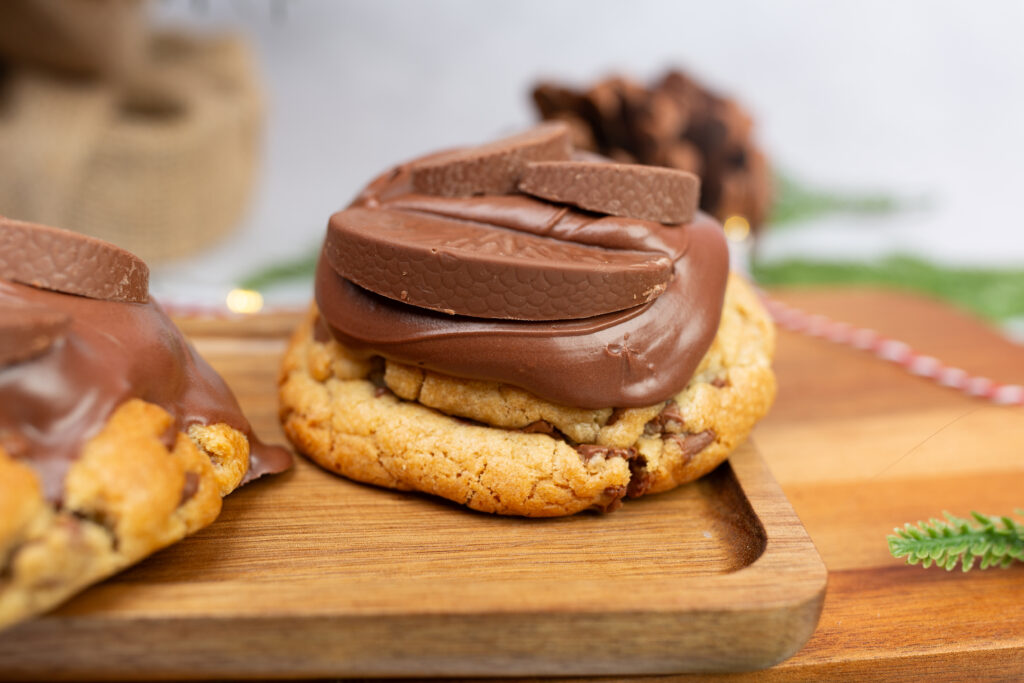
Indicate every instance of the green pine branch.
{"type": "Point", "coordinates": [797, 202]}
{"type": "Point", "coordinates": [297, 269]}
{"type": "Point", "coordinates": [955, 540]}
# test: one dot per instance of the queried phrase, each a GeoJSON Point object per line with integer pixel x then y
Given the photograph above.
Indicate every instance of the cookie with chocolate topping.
{"type": "Point", "coordinates": [556, 345]}
{"type": "Point", "coordinates": [116, 438]}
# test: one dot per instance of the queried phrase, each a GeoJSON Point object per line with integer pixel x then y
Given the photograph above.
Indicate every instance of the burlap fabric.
{"type": "Point", "coordinates": [87, 37]}
{"type": "Point", "coordinates": [159, 160]}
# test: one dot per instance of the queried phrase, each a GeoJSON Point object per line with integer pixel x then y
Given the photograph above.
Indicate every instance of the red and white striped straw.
{"type": "Point", "coordinates": [795, 320]}
{"type": "Point", "coordinates": [894, 351]}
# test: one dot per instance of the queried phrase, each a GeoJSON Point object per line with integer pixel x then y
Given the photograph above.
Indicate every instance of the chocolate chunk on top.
{"type": "Point", "coordinates": [473, 269]}
{"type": "Point", "coordinates": [664, 195]}
{"type": "Point", "coordinates": [27, 331]}
{"type": "Point", "coordinates": [70, 263]}
{"type": "Point", "coordinates": [493, 168]}
{"type": "Point", "coordinates": [673, 121]}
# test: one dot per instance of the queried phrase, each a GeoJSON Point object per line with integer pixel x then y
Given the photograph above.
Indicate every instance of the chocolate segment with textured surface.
{"type": "Point", "coordinates": [672, 121]}
{"type": "Point", "coordinates": [485, 271]}
{"type": "Point", "coordinates": [654, 194]}
{"type": "Point", "coordinates": [27, 331]}
{"type": "Point", "coordinates": [69, 262]}
{"type": "Point", "coordinates": [493, 168]}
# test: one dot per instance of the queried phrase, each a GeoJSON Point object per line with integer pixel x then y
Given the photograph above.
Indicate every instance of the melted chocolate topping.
{"type": "Point", "coordinates": [635, 357]}
{"type": "Point", "coordinates": [111, 352]}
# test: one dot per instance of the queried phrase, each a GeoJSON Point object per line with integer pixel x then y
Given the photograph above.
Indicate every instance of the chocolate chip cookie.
{"type": "Point", "coordinates": [116, 438]}
{"type": "Point", "coordinates": [498, 448]}
{"type": "Point", "coordinates": [554, 344]}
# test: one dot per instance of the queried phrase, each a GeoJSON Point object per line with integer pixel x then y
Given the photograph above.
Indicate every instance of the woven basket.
{"type": "Point", "coordinates": [161, 164]}
{"type": "Point", "coordinates": [104, 38]}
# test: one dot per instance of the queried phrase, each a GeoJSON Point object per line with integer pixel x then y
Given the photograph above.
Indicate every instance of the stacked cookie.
{"type": "Point", "coordinates": [527, 330]}
{"type": "Point", "coordinates": [116, 438]}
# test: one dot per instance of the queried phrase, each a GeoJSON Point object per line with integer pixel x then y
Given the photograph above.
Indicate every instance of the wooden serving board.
{"type": "Point", "coordinates": [860, 446]}
{"type": "Point", "coordinates": [310, 575]}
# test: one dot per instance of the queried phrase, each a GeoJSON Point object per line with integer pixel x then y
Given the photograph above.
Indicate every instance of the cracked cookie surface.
{"type": "Point", "coordinates": [497, 448]}
{"type": "Point", "coordinates": [136, 487]}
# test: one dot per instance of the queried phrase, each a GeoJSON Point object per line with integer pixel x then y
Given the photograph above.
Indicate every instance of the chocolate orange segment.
{"type": "Point", "coordinates": [647, 193]}
{"type": "Point", "coordinates": [70, 263]}
{"type": "Point", "coordinates": [473, 269]}
{"type": "Point", "coordinates": [27, 331]}
{"type": "Point", "coordinates": [493, 168]}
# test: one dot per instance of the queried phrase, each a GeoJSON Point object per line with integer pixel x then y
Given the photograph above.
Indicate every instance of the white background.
{"type": "Point", "coordinates": [919, 99]}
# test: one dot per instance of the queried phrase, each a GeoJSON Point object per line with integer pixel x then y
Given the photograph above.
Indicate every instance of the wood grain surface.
{"type": "Point", "coordinates": [859, 446]}
{"type": "Point", "coordinates": [308, 575]}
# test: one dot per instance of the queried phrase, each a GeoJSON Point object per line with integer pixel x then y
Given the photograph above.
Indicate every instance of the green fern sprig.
{"type": "Point", "coordinates": [955, 540]}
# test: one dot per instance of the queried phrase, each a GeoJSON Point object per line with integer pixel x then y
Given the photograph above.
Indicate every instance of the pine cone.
{"type": "Point", "coordinates": [675, 123]}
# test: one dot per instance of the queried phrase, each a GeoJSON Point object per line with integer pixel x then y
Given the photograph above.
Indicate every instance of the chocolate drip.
{"type": "Point", "coordinates": [111, 352]}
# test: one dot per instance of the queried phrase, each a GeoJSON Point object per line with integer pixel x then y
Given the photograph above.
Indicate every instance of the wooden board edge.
{"type": "Point", "coordinates": [537, 644]}
{"type": "Point", "coordinates": [768, 611]}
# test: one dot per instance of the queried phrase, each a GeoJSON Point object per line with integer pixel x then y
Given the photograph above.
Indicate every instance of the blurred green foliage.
{"type": "Point", "coordinates": [797, 202]}
{"type": "Point", "coordinates": [994, 294]}
{"type": "Point", "coordinates": [300, 268]}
